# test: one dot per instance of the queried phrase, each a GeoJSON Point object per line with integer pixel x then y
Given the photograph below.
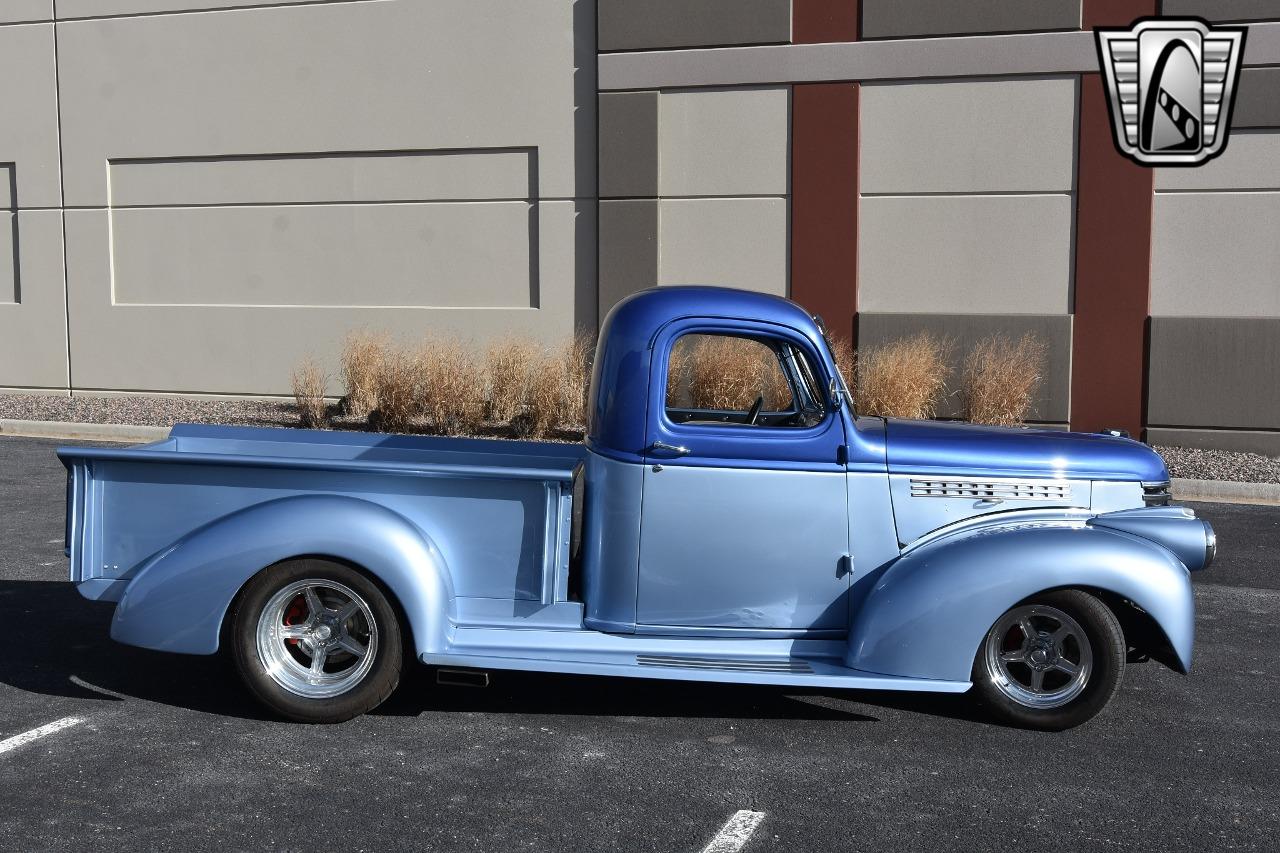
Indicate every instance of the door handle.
{"type": "Point", "coordinates": [672, 449]}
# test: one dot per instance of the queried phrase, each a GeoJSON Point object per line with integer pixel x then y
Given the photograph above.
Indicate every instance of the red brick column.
{"type": "Point", "coordinates": [1113, 258]}
{"type": "Point", "coordinates": [824, 175]}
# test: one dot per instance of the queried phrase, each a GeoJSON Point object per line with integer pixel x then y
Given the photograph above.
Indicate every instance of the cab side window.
{"type": "Point", "coordinates": [730, 379]}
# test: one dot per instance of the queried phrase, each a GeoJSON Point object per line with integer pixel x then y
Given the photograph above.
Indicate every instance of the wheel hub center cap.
{"type": "Point", "coordinates": [323, 632]}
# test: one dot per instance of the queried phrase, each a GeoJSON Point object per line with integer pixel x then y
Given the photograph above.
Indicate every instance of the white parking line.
{"type": "Point", "coordinates": [11, 743]}
{"type": "Point", "coordinates": [735, 833]}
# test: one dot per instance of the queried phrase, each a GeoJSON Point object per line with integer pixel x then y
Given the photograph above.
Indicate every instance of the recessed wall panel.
{"type": "Point", "coordinates": [33, 321]}
{"type": "Point", "coordinates": [232, 349]}
{"type": "Point", "coordinates": [965, 254]}
{"type": "Point", "coordinates": [107, 8]}
{"type": "Point", "coordinates": [968, 136]}
{"type": "Point", "coordinates": [730, 242]}
{"type": "Point", "coordinates": [289, 178]}
{"type": "Point", "coordinates": [907, 18]}
{"type": "Point", "coordinates": [650, 24]}
{"type": "Point", "coordinates": [723, 142]}
{"type": "Point", "coordinates": [1215, 254]}
{"type": "Point", "coordinates": [21, 11]}
{"type": "Point", "coordinates": [1215, 372]}
{"type": "Point", "coordinates": [421, 255]}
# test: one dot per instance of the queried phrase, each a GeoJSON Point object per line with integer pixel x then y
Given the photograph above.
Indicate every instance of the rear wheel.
{"type": "Point", "coordinates": [1052, 662]}
{"type": "Point", "coordinates": [316, 641]}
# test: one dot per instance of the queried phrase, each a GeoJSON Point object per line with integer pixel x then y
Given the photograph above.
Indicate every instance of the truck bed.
{"type": "Point", "coordinates": [493, 507]}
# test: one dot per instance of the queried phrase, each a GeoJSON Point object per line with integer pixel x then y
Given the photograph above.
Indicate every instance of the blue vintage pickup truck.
{"type": "Point", "coordinates": [793, 543]}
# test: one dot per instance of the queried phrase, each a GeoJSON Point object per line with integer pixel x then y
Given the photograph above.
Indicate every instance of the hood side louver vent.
{"type": "Point", "coordinates": [993, 490]}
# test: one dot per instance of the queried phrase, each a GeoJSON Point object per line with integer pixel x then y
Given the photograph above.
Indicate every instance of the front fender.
{"type": "Point", "coordinates": [178, 600]}
{"type": "Point", "coordinates": [929, 611]}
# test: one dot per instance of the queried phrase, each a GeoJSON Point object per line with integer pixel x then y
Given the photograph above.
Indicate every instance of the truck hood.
{"type": "Point", "coordinates": [955, 449]}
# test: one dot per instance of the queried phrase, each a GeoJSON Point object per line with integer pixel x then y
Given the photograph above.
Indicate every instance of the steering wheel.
{"type": "Point", "coordinates": [754, 414]}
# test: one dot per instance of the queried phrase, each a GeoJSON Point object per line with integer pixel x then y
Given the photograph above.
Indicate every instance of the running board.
{"type": "Point", "coordinates": [792, 673]}
{"type": "Point", "coordinates": [726, 664]}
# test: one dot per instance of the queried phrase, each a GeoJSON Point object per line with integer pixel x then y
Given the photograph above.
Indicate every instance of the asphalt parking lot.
{"type": "Point", "coordinates": [167, 752]}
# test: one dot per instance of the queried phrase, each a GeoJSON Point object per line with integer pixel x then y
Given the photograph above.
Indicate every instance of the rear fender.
{"type": "Point", "coordinates": [179, 599]}
{"type": "Point", "coordinates": [929, 611]}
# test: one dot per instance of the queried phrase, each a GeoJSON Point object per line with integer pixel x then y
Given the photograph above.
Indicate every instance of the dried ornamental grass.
{"type": "Point", "coordinates": [904, 378]}
{"type": "Point", "coordinates": [509, 363]}
{"type": "Point", "coordinates": [397, 386]}
{"type": "Point", "coordinates": [363, 353]}
{"type": "Point", "coordinates": [725, 373]}
{"type": "Point", "coordinates": [544, 402]}
{"type": "Point", "coordinates": [451, 386]}
{"type": "Point", "coordinates": [576, 357]}
{"type": "Point", "coordinates": [309, 382]}
{"type": "Point", "coordinates": [1000, 379]}
{"type": "Point", "coordinates": [842, 354]}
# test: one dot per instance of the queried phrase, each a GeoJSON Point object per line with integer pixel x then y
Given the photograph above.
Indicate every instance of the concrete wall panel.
{"type": "Point", "coordinates": [1215, 254]}
{"type": "Point", "coordinates": [29, 133]}
{"type": "Point", "coordinates": [388, 176]}
{"type": "Point", "coordinates": [628, 249]}
{"type": "Point", "coordinates": [964, 330]}
{"type": "Point", "coordinates": [628, 144]}
{"type": "Point", "coordinates": [1223, 10]}
{"type": "Point", "coordinates": [68, 9]}
{"type": "Point", "coordinates": [732, 242]}
{"type": "Point", "coordinates": [648, 24]}
{"type": "Point", "coordinates": [971, 136]}
{"type": "Point", "coordinates": [905, 18]}
{"type": "Point", "coordinates": [723, 142]}
{"type": "Point", "coordinates": [33, 339]}
{"type": "Point", "coordinates": [1251, 162]}
{"type": "Point", "coordinates": [1215, 372]}
{"type": "Point", "coordinates": [329, 77]}
{"type": "Point", "coordinates": [459, 255]}
{"type": "Point", "coordinates": [20, 11]}
{"type": "Point", "coordinates": [965, 254]}
{"type": "Point", "coordinates": [1266, 442]}
{"type": "Point", "coordinates": [229, 349]}
{"type": "Point", "coordinates": [1258, 99]}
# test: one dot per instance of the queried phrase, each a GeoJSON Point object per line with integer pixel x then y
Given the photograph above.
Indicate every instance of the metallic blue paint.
{"type": "Point", "coordinates": [928, 612]}
{"type": "Point", "coordinates": [177, 600]}
{"type": "Point", "coordinates": [767, 555]}
{"type": "Point", "coordinates": [959, 450]}
{"type": "Point", "coordinates": [1174, 527]}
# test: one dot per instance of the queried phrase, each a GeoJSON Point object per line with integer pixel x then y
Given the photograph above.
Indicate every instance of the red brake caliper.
{"type": "Point", "coordinates": [295, 614]}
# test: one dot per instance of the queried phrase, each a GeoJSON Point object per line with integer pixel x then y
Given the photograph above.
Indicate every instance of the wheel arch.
{"type": "Point", "coordinates": [927, 614]}
{"type": "Point", "coordinates": [180, 599]}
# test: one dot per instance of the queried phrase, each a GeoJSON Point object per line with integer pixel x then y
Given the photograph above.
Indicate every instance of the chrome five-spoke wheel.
{"type": "Point", "coordinates": [317, 638]}
{"type": "Point", "coordinates": [1051, 661]}
{"type": "Point", "coordinates": [1040, 656]}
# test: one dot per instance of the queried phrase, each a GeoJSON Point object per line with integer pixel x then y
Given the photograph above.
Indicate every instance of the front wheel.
{"type": "Point", "coordinates": [1051, 662]}
{"type": "Point", "coordinates": [316, 641]}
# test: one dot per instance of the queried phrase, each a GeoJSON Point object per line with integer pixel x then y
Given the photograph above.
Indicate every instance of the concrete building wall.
{"type": "Point", "coordinates": [965, 221]}
{"type": "Point", "coordinates": [194, 194]}
{"type": "Point", "coordinates": [242, 188]}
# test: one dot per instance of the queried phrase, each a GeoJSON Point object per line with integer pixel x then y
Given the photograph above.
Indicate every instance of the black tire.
{"type": "Point", "coordinates": [358, 687]}
{"type": "Point", "coordinates": [1004, 683]}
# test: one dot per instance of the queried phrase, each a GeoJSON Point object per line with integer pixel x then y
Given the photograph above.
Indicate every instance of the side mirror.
{"type": "Point", "coordinates": [833, 391]}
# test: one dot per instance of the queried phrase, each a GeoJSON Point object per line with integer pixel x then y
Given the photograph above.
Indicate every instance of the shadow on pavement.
{"type": "Point", "coordinates": [66, 636]}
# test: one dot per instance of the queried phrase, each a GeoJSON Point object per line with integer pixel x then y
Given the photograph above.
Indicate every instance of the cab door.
{"type": "Point", "coordinates": [744, 519]}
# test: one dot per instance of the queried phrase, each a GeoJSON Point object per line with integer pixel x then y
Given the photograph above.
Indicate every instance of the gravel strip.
{"type": "Point", "coordinates": [1195, 463]}
{"type": "Point", "coordinates": [142, 410]}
